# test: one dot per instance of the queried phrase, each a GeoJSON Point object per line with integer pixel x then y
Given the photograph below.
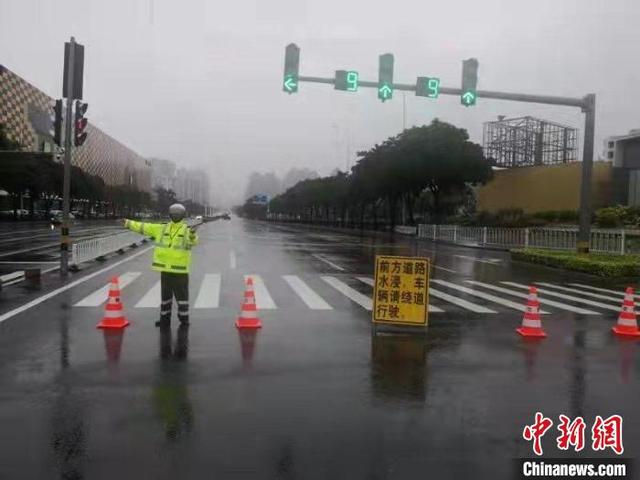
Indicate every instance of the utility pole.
{"type": "Point", "coordinates": [66, 184]}
{"type": "Point", "coordinates": [404, 111]}
{"type": "Point", "coordinates": [584, 231]}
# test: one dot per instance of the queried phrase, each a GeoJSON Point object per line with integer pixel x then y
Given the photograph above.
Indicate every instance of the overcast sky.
{"type": "Point", "coordinates": [199, 82]}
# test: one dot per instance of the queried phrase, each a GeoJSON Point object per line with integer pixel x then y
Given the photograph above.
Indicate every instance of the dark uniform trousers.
{"type": "Point", "coordinates": [174, 285]}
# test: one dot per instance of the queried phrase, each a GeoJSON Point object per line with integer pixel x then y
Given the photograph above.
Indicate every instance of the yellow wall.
{"type": "Point", "coordinates": [542, 188]}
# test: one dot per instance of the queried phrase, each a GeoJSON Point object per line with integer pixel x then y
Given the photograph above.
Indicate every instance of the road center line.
{"type": "Point", "coordinates": [64, 288]}
{"type": "Point", "coordinates": [232, 259]}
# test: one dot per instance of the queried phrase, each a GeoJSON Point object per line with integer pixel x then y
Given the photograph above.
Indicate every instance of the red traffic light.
{"type": "Point", "coordinates": [80, 136]}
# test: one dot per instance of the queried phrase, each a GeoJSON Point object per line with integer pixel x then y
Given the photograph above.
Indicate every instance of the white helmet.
{"type": "Point", "coordinates": [177, 212]}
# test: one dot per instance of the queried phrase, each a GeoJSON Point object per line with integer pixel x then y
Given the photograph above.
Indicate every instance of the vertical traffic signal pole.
{"type": "Point", "coordinates": [66, 184]}
{"type": "Point", "coordinates": [584, 231]}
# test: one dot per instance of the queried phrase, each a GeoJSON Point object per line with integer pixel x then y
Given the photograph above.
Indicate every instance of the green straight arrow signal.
{"type": "Point", "coordinates": [468, 98]}
{"type": "Point", "coordinates": [290, 84]}
{"type": "Point", "coordinates": [385, 92]}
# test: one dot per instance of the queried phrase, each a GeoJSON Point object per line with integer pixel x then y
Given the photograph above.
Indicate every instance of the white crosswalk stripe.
{"type": "Point", "coordinates": [209, 294]}
{"type": "Point", "coordinates": [566, 297]}
{"type": "Point", "coordinates": [486, 296]}
{"type": "Point", "coordinates": [151, 299]}
{"type": "Point", "coordinates": [543, 301]}
{"type": "Point", "coordinates": [98, 297]}
{"type": "Point", "coordinates": [461, 302]}
{"type": "Point", "coordinates": [597, 289]}
{"type": "Point", "coordinates": [362, 300]}
{"type": "Point", "coordinates": [263, 298]}
{"type": "Point", "coordinates": [370, 282]}
{"type": "Point", "coordinates": [581, 292]}
{"type": "Point", "coordinates": [306, 294]}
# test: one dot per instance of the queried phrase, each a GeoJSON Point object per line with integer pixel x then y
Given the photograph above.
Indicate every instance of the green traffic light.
{"type": "Point", "coordinates": [385, 76]}
{"type": "Point", "coordinates": [290, 84]}
{"type": "Point", "coordinates": [385, 92]}
{"type": "Point", "coordinates": [468, 98]}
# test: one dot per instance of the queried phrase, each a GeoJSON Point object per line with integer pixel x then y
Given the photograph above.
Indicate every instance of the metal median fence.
{"type": "Point", "coordinates": [615, 242]}
{"type": "Point", "coordinates": [93, 248]}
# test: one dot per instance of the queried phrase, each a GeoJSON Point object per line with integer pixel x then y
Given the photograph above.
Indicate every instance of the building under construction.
{"type": "Point", "coordinates": [528, 141]}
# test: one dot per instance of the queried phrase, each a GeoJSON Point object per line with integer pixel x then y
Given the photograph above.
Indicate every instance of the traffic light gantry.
{"type": "Point", "coordinates": [350, 81]}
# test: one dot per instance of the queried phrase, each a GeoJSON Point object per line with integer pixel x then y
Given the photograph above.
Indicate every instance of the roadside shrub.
{"type": "Point", "coordinates": [551, 216]}
{"type": "Point", "coordinates": [609, 217]}
{"type": "Point", "coordinates": [609, 266]}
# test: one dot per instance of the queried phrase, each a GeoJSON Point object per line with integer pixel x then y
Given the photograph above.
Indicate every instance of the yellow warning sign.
{"type": "Point", "coordinates": [401, 291]}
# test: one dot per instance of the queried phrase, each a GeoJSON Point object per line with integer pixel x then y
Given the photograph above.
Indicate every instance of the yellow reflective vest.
{"type": "Point", "coordinates": [173, 244]}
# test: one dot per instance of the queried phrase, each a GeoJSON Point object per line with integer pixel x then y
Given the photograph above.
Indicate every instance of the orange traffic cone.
{"type": "Point", "coordinates": [627, 324]}
{"type": "Point", "coordinates": [249, 316]}
{"type": "Point", "coordinates": [113, 313]}
{"type": "Point", "coordinates": [531, 323]}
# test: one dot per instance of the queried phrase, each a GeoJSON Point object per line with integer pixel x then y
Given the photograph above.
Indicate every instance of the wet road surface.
{"type": "Point", "coordinates": [313, 394]}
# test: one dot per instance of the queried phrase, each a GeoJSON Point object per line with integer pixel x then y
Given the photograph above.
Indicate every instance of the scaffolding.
{"type": "Point", "coordinates": [528, 141]}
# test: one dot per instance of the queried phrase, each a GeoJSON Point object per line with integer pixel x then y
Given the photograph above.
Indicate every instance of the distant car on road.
{"type": "Point", "coordinates": [56, 218]}
{"type": "Point", "coordinates": [226, 216]}
{"type": "Point", "coordinates": [199, 218]}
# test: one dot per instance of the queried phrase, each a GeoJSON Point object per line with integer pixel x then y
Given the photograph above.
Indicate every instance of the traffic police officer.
{"type": "Point", "coordinates": [172, 258]}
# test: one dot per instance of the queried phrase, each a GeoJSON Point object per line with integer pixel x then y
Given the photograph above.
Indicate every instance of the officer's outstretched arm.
{"type": "Point", "coordinates": [148, 229]}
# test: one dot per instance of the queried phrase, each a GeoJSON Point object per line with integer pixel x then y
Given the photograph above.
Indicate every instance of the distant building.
{"type": "Point", "coordinates": [25, 113]}
{"type": "Point", "coordinates": [163, 174]}
{"type": "Point", "coordinates": [188, 184]}
{"type": "Point", "coordinates": [624, 153]}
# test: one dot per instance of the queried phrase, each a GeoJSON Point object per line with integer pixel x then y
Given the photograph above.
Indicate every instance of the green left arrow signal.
{"type": "Point", "coordinates": [385, 92]}
{"type": "Point", "coordinates": [290, 84]}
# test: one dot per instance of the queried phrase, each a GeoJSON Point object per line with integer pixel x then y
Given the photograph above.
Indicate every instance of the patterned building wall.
{"type": "Point", "coordinates": [100, 155]}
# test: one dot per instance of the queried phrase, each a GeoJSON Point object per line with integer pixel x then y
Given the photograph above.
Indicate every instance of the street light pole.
{"type": "Point", "coordinates": [66, 184]}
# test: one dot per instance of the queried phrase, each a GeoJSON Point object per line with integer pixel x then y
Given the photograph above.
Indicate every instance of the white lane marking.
{"type": "Point", "coordinates": [64, 288]}
{"type": "Point", "coordinates": [575, 290]}
{"type": "Point", "coordinates": [328, 262]}
{"type": "Point", "coordinates": [486, 296]}
{"type": "Point", "coordinates": [263, 298]}
{"type": "Point", "coordinates": [605, 290]}
{"type": "Point", "coordinates": [362, 300]}
{"type": "Point", "coordinates": [543, 301]}
{"type": "Point", "coordinates": [151, 298]}
{"type": "Point", "coordinates": [12, 276]}
{"type": "Point", "coordinates": [567, 297]}
{"type": "Point", "coordinates": [100, 296]}
{"type": "Point", "coordinates": [28, 263]}
{"type": "Point", "coordinates": [209, 294]}
{"type": "Point", "coordinates": [232, 259]}
{"type": "Point", "coordinates": [370, 282]}
{"type": "Point", "coordinates": [490, 261]}
{"type": "Point", "coordinates": [459, 301]}
{"type": "Point", "coordinates": [445, 269]}
{"type": "Point", "coordinates": [308, 296]}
